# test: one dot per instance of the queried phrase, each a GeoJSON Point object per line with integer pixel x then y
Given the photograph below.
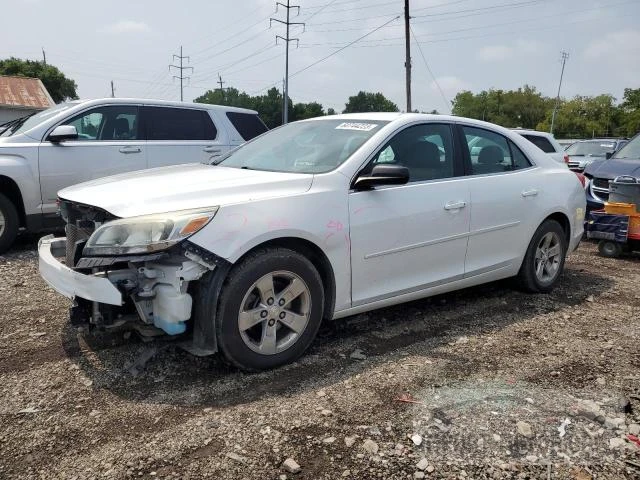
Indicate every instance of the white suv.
{"type": "Point", "coordinates": [545, 142]}
{"type": "Point", "coordinates": [85, 140]}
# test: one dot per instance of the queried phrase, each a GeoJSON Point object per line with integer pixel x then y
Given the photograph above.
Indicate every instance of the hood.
{"type": "Point", "coordinates": [182, 187]}
{"type": "Point", "coordinates": [613, 167]}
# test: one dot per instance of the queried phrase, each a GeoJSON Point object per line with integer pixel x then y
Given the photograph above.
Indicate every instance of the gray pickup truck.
{"type": "Point", "coordinates": [81, 141]}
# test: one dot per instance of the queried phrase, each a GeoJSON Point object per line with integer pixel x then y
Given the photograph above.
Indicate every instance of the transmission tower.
{"type": "Point", "coordinates": [286, 40]}
{"type": "Point", "coordinates": [182, 68]}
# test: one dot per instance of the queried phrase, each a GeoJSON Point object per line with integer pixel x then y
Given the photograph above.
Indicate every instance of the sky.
{"type": "Point", "coordinates": [456, 45]}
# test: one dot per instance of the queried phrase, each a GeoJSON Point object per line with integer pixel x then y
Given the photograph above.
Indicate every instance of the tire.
{"type": "Point", "coordinates": [530, 277]}
{"type": "Point", "coordinates": [609, 249]}
{"type": "Point", "coordinates": [9, 223]}
{"type": "Point", "coordinates": [253, 327]}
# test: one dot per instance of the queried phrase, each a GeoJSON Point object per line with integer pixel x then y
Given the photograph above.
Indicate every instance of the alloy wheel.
{"type": "Point", "coordinates": [548, 257]}
{"type": "Point", "coordinates": [274, 312]}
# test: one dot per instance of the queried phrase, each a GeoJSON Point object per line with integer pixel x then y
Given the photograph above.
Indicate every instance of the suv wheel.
{"type": "Point", "coordinates": [544, 260]}
{"type": "Point", "coordinates": [9, 223]}
{"type": "Point", "coordinates": [270, 309]}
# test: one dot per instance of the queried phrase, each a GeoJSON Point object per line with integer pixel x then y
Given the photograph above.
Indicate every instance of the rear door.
{"type": "Point", "coordinates": [110, 141]}
{"type": "Point", "coordinates": [177, 135]}
{"type": "Point", "coordinates": [504, 186]}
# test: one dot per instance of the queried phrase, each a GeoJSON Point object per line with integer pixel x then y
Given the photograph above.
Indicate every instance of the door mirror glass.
{"type": "Point", "coordinates": [383, 175]}
{"type": "Point", "coordinates": [608, 155]}
{"type": "Point", "coordinates": [62, 133]}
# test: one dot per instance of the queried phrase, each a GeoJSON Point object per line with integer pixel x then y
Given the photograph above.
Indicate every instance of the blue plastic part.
{"type": "Point", "coordinates": [170, 327]}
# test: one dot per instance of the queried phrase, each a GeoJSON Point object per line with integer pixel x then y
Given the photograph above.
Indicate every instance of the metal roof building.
{"type": "Point", "coordinates": [20, 96]}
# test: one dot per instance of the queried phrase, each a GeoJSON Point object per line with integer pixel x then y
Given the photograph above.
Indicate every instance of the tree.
{"type": "Point", "coordinates": [369, 102]}
{"type": "Point", "coordinates": [331, 111]}
{"type": "Point", "coordinates": [57, 84]}
{"type": "Point", "coordinates": [630, 112]}
{"type": "Point", "coordinates": [306, 110]}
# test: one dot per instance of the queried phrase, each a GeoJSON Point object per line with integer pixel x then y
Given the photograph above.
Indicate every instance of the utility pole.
{"type": "Point", "coordinates": [286, 40]}
{"type": "Point", "coordinates": [113, 94]}
{"type": "Point", "coordinates": [221, 83]}
{"type": "Point", "coordinates": [44, 56]}
{"type": "Point", "coordinates": [407, 61]}
{"type": "Point", "coordinates": [565, 56]}
{"type": "Point", "coordinates": [181, 77]}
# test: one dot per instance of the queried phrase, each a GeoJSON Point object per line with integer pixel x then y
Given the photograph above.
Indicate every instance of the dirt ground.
{"type": "Point", "coordinates": [483, 383]}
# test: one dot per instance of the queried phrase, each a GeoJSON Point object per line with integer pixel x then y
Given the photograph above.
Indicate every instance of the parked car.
{"type": "Point", "coordinates": [79, 141]}
{"type": "Point", "coordinates": [584, 152]}
{"type": "Point", "coordinates": [318, 219]}
{"type": "Point", "coordinates": [625, 161]}
{"type": "Point", "coordinates": [545, 142]}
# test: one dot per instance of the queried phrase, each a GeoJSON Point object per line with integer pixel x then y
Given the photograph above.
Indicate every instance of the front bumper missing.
{"type": "Point", "coordinates": [68, 282]}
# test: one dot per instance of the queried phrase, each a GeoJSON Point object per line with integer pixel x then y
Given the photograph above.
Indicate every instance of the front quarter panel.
{"type": "Point", "coordinates": [19, 162]}
{"type": "Point", "coordinates": [319, 215]}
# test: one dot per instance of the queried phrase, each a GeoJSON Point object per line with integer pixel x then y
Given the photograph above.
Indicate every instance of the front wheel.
{"type": "Point", "coordinates": [544, 261]}
{"type": "Point", "coordinates": [270, 309]}
{"type": "Point", "coordinates": [9, 223]}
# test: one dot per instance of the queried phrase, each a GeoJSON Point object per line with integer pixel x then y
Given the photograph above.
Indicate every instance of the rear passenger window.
{"type": "Point", "coordinates": [248, 125]}
{"type": "Point", "coordinates": [165, 123]}
{"type": "Point", "coordinates": [492, 153]}
{"type": "Point", "coordinates": [541, 142]}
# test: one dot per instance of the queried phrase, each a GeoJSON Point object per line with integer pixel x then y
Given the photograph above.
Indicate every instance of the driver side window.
{"type": "Point", "coordinates": [106, 123]}
{"type": "Point", "coordinates": [426, 150]}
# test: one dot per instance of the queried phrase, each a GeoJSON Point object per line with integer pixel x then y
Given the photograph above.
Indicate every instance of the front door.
{"type": "Point", "coordinates": [109, 142]}
{"type": "Point", "coordinates": [411, 237]}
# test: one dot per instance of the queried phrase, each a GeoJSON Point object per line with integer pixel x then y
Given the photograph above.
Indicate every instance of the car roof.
{"type": "Point", "coordinates": [532, 132]}
{"type": "Point", "coordinates": [161, 103]}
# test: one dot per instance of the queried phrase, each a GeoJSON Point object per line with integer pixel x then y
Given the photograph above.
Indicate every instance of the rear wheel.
{"type": "Point", "coordinates": [9, 223]}
{"type": "Point", "coordinates": [270, 309]}
{"type": "Point", "coordinates": [544, 260]}
{"type": "Point", "coordinates": [609, 249]}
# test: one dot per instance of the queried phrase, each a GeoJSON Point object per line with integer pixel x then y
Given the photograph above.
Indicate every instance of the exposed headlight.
{"type": "Point", "coordinates": [148, 233]}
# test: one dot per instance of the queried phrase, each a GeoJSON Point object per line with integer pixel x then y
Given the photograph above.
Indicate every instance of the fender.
{"type": "Point", "coordinates": [19, 163]}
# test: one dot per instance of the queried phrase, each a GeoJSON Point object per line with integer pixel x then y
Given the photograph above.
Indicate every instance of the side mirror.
{"type": "Point", "coordinates": [608, 155]}
{"type": "Point", "coordinates": [62, 133]}
{"type": "Point", "coordinates": [383, 175]}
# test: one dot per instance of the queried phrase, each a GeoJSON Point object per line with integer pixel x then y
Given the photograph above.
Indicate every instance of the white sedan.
{"type": "Point", "coordinates": [313, 221]}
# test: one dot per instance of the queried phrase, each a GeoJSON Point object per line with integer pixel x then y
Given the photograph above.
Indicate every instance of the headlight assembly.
{"type": "Point", "coordinates": [148, 233]}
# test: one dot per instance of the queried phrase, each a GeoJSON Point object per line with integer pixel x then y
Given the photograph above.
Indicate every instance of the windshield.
{"type": "Point", "coordinates": [315, 146]}
{"type": "Point", "coordinates": [630, 150]}
{"type": "Point", "coordinates": [29, 121]}
{"type": "Point", "coordinates": [598, 148]}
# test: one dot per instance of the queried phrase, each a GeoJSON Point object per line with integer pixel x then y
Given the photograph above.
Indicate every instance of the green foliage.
{"type": "Point", "coordinates": [579, 117]}
{"type": "Point", "coordinates": [269, 106]}
{"type": "Point", "coordinates": [59, 87]}
{"type": "Point", "coordinates": [369, 102]}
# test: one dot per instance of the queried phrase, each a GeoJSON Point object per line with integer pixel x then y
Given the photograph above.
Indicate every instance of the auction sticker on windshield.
{"type": "Point", "coordinates": [363, 127]}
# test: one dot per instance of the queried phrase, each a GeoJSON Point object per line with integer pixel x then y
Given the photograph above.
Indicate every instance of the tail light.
{"type": "Point", "coordinates": [582, 178]}
{"type": "Point", "coordinates": [566, 159]}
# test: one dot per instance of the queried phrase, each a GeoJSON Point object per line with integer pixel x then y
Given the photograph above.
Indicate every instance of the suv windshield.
{"type": "Point", "coordinates": [29, 121]}
{"type": "Point", "coordinates": [630, 150]}
{"type": "Point", "coordinates": [597, 148]}
{"type": "Point", "coordinates": [315, 146]}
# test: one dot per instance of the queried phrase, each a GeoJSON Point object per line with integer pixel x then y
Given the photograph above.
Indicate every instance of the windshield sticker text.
{"type": "Point", "coordinates": [363, 127]}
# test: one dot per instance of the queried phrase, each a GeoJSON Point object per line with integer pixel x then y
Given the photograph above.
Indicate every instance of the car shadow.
{"type": "Point", "coordinates": [174, 377]}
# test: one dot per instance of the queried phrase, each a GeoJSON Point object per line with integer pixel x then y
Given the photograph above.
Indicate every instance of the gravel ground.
{"type": "Point", "coordinates": [483, 383]}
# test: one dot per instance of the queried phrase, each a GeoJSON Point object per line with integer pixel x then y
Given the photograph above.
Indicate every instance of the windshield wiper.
{"type": "Point", "coordinates": [13, 125]}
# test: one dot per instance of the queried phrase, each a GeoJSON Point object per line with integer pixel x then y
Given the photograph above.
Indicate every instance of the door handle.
{"type": "Point", "coordinates": [530, 193]}
{"type": "Point", "coordinates": [212, 150]}
{"type": "Point", "coordinates": [454, 205]}
{"type": "Point", "coordinates": [130, 150]}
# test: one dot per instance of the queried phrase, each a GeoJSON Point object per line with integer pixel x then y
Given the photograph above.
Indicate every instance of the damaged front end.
{"type": "Point", "coordinates": [132, 273]}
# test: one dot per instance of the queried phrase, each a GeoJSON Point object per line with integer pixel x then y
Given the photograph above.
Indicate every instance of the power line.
{"type": "Point", "coordinates": [426, 64]}
{"type": "Point", "coordinates": [334, 53]}
{"type": "Point", "coordinates": [286, 40]}
{"type": "Point", "coordinates": [182, 69]}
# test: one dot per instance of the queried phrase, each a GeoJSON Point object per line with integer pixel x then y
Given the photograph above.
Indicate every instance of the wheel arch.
{"type": "Point", "coordinates": [315, 255]}
{"type": "Point", "coordinates": [564, 222]}
{"type": "Point", "coordinates": [9, 188]}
